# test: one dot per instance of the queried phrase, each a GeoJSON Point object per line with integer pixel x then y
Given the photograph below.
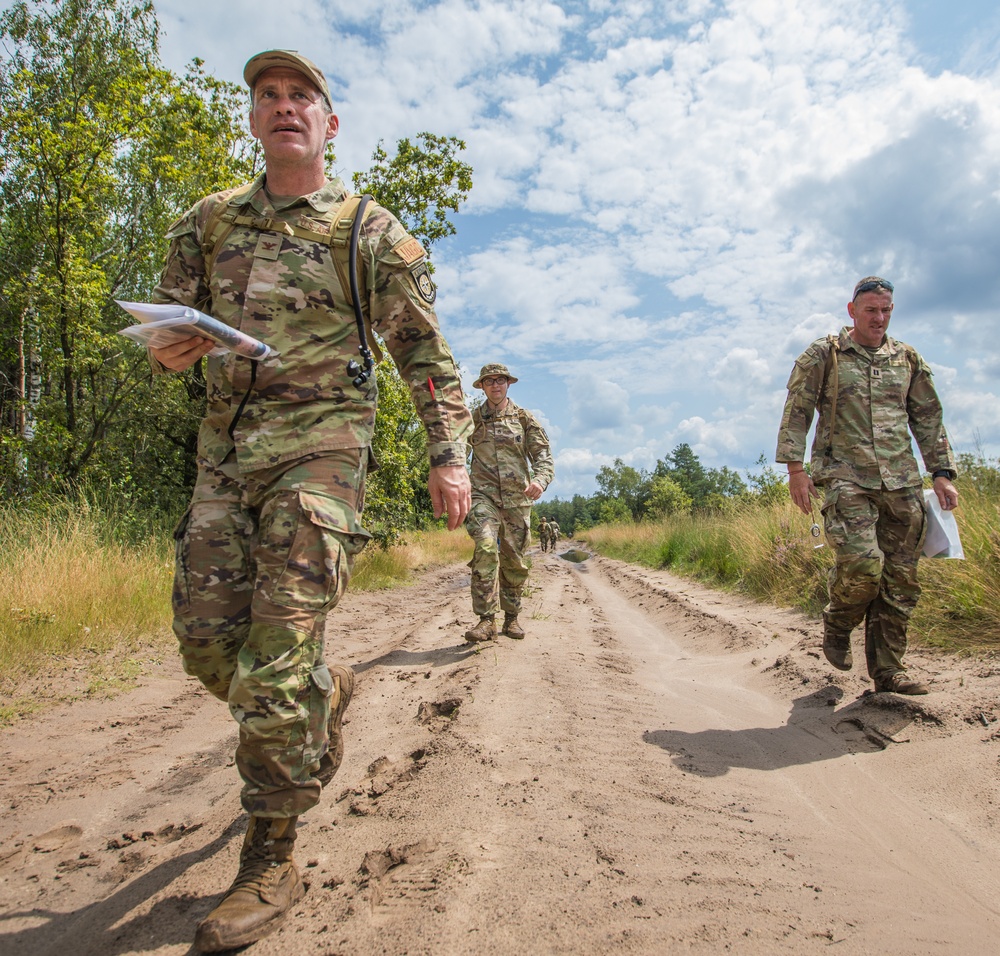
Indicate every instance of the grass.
{"type": "Point", "coordinates": [767, 552]}
{"type": "Point", "coordinates": [83, 593]}
{"type": "Point", "coordinates": [86, 596]}
{"type": "Point", "coordinates": [377, 570]}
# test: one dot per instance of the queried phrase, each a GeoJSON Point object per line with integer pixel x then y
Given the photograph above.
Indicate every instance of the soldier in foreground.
{"type": "Point", "coordinates": [511, 467]}
{"type": "Point", "coordinates": [266, 547]}
{"type": "Point", "coordinates": [871, 392]}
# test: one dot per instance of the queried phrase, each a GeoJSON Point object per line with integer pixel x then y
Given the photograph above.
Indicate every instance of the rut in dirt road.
{"type": "Point", "coordinates": [657, 768]}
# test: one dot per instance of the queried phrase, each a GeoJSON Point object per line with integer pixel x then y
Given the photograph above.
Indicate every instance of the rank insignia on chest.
{"type": "Point", "coordinates": [268, 246]}
{"type": "Point", "coordinates": [876, 372]}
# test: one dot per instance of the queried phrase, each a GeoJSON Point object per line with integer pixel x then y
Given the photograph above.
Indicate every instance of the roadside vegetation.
{"type": "Point", "coordinates": [86, 596]}
{"type": "Point", "coordinates": [761, 545]}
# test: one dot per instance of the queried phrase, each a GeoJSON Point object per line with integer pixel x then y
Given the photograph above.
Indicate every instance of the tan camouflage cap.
{"type": "Point", "coordinates": [494, 368]}
{"type": "Point", "coordinates": [291, 59]}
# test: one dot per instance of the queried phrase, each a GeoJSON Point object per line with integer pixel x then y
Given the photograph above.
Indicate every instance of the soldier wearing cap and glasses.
{"type": "Point", "coordinates": [266, 547]}
{"type": "Point", "coordinates": [871, 392]}
{"type": "Point", "coordinates": [511, 467]}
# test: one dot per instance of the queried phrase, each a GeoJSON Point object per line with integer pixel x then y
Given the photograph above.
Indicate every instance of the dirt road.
{"type": "Point", "coordinates": [657, 768]}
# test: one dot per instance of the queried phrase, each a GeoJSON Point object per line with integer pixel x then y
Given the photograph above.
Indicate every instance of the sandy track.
{"type": "Point", "coordinates": [658, 768]}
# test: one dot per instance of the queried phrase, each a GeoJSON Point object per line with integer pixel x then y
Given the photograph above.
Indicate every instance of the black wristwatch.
{"type": "Point", "coordinates": [944, 473]}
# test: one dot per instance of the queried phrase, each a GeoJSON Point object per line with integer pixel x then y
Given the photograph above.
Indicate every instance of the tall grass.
{"type": "Point", "coordinates": [78, 581]}
{"type": "Point", "coordinates": [768, 552]}
{"type": "Point", "coordinates": [86, 584]}
{"type": "Point", "coordinates": [377, 570]}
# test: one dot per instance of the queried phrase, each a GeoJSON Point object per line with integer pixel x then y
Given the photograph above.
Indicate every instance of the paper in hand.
{"type": "Point", "coordinates": [169, 323]}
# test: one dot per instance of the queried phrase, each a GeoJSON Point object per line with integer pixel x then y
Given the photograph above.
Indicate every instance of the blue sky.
{"type": "Point", "coordinates": [674, 197]}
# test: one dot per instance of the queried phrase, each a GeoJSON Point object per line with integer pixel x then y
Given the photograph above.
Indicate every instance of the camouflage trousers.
{"type": "Point", "coordinates": [501, 536]}
{"type": "Point", "coordinates": [876, 536]}
{"type": "Point", "coordinates": [261, 559]}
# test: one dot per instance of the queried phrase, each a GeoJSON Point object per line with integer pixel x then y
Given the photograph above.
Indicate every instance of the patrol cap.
{"type": "Point", "coordinates": [291, 59]}
{"type": "Point", "coordinates": [494, 368]}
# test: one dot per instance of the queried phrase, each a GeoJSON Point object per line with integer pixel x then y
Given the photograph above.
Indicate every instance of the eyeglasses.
{"type": "Point", "coordinates": [499, 380]}
{"type": "Point", "coordinates": [872, 285]}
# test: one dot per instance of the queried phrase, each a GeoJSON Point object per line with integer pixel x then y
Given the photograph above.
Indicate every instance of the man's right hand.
{"type": "Point", "coordinates": [183, 354]}
{"type": "Point", "coordinates": [802, 490]}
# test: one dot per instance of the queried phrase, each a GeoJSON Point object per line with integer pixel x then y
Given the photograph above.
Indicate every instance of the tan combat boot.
{"type": "Point", "coordinates": [511, 628]}
{"type": "Point", "coordinates": [267, 886]}
{"type": "Point", "coordinates": [837, 648]}
{"type": "Point", "coordinates": [485, 630]}
{"type": "Point", "coordinates": [343, 688]}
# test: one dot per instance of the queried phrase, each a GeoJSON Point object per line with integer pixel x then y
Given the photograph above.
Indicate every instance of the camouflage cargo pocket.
{"type": "Point", "coordinates": [320, 537]}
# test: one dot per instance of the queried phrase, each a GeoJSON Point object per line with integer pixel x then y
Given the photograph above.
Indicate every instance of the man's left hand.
{"type": "Point", "coordinates": [451, 493]}
{"type": "Point", "coordinates": [947, 493]}
{"type": "Point", "coordinates": [534, 490]}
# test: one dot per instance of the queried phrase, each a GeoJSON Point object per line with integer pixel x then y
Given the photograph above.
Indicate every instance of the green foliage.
{"type": "Point", "coordinates": [623, 489]}
{"type": "Point", "coordinates": [679, 484]}
{"type": "Point", "coordinates": [420, 184]}
{"type": "Point", "coordinates": [761, 545]}
{"type": "Point", "coordinates": [396, 491]}
{"type": "Point", "coordinates": [667, 497]}
{"type": "Point", "coordinates": [101, 148]}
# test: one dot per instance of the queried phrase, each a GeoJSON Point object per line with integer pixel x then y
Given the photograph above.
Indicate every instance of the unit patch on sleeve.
{"type": "Point", "coordinates": [425, 286]}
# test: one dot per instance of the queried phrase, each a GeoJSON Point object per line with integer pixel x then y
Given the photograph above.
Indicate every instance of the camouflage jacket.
{"type": "Point", "coordinates": [882, 397]}
{"type": "Point", "coordinates": [287, 294]}
{"type": "Point", "coordinates": [509, 449]}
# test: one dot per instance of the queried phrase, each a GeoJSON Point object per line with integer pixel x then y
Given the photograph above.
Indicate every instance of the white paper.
{"type": "Point", "coordinates": [942, 540]}
{"type": "Point", "coordinates": [165, 324]}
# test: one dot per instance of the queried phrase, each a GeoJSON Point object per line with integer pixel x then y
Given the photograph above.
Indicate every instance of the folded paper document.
{"type": "Point", "coordinates": [942, 539]}
{"type": "Point", "coordinates": [162, 325]}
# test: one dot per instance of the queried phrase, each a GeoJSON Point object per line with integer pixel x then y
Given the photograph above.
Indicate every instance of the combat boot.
{"type": "Point", "coordinates": [485, 630]}
{"type": "Point", "coordinates": [343, 688]}
{"type": "Point", "coordinates": [837, 648]}
{"type": "Point", "coordinates": [899, 683]}
{"type": "Point", "coordinates": [266, 887]}
{"type": "Point", "coordinates": [511, 628]}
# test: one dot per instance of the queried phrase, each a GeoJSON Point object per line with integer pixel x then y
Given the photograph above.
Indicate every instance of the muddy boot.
{"type": "Point", "coordinates": [485, 630]}
{"type": "Point", "coordinates": [267, 886]}
{"type": "Point", "coordinates": [511, 628]}
{"type": "Point", "coordinates": [343, 688]}
{"type": "Point", "coordinates": [837, 649]}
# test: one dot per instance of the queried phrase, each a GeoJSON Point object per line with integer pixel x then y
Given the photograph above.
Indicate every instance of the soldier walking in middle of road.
{"type": "Point", "coordinates": [543, 533]}
{"type": "Point", "coordinates": [511, 467]}
{"type": "Point", "coordinates": [553, 533]}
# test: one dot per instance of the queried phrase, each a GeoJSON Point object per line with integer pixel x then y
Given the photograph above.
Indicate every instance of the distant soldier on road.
{"type": "Point", "coordinates": [871, 392]}
{"type": "Point", "coordinates": [511, 467]}
{"type": "Point", "coordinates": [553, 533]}
{"type": "Point", "coordinates": [543, 533]}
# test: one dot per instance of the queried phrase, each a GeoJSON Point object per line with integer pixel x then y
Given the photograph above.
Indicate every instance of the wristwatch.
{"type": "Point", "coordinates": [944, 473]}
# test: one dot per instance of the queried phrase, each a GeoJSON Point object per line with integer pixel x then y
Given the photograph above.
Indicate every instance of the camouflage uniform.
{"type": "Point", "coordinates": [543, 533]}
{"type": "Point", "coordinates": [509, 449]}
{"type": "Point", "coordinates": [873, 508]}
{"type": "Point", "coordinates": [553, 534]}
{"type": "Point", "coordinates": [266, 547]}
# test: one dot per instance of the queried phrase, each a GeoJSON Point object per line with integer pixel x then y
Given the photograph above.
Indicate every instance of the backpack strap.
{"type": "Point", "coordinates": [341, 248]}
{"type": "Point", "coordinates": [220, 223]}
{"type": "Point", "coordinates": [832, 360]}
